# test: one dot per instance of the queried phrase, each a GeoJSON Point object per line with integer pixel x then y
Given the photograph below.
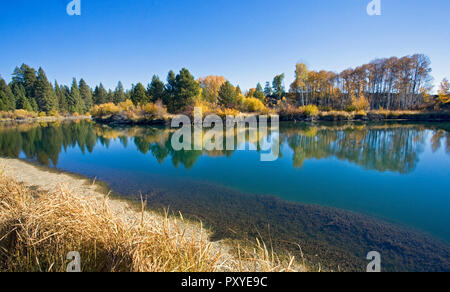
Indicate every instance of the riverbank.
{"type": "Point", "coordinates": [46, 214]}
{"type": "Point", "coordinates": [37, 119]}
{"type": "Point", "coordinates": [300, 116]}
{"type": "Point", "coordinates": [372, 116]}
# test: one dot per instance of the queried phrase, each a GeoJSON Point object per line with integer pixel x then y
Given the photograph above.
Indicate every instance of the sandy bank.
{"type": "Point", "coordinates": [181, 232]}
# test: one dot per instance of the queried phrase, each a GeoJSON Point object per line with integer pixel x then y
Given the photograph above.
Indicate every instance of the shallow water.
{"type": "Point", "coordinates": [324, 192]}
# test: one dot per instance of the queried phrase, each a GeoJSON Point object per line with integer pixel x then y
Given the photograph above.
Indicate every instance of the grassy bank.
{"type": "Point", "coordinates": [23, 116]}
{"type": "Point", "coordinates": [155, 114]}
{"type": "Point", "coordinates": [46, 215]}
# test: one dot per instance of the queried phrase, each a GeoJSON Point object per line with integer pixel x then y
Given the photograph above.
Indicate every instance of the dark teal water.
{"type": "Point", "coordinates": [398, 173]}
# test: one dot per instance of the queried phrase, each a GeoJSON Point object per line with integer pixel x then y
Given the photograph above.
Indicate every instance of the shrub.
{"type": "Point", "coordinates": [150, 109]}
{"type": "Point", "coordinates": [23, 114]}
{"type": "Point", "coordinates": [154, 110]}
{"type": "Point", "coordinates": [361, 113]}
{"type": "Point", "coordinates": [361, 104]}
{"type": "Point", "coordinates": [126, 105]}
{"type": "Point", "coordinates": [106, 109]}
{"type": "Point", "coordinates": [350, 108]}
{"type": "Point", "coordinates": [228, 112]}
{"type": "Point", "coordinates": [53, 113]}
{"type": "Point", "coordinates": [253, 105]}
{"type": "Point", "coordinates": [310, 110]}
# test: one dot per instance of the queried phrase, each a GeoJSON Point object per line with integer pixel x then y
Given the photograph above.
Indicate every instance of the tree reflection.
{"type": "Point", "coordinates": [378, 147]}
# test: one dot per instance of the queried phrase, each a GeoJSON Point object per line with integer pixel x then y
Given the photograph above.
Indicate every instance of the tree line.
{"type": "Point", "coordinates": [391, 84]}
{"type": "Point", "coordinates": [31, 90]}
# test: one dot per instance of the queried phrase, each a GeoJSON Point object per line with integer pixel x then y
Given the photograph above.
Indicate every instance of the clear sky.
{"type": "Point", "coordinates": [247, 41]}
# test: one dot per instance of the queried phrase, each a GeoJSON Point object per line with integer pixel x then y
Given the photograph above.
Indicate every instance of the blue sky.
{"type": "Point", "coordinates": [247, 41]}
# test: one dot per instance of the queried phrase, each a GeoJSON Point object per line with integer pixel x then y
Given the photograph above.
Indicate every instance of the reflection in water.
{"type": "Point", "coordinates": [340, 237]}
{"type": "Point", "coordinates": [382, 149]}
{"type": "Point", "coordinates": [393, 148]}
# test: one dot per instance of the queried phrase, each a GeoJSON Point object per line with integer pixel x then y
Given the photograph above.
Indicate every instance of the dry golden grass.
{"type": "Point", "coordinates": [38, 229]}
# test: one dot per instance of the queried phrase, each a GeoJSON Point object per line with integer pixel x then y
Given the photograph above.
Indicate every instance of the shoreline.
{"type": "Point", "coordinates": [43, 179]}
{"type": "Point", "coordinates": [225, 243]}
{"type": "Point", "coordinates": [44, 119]}
{"type": "Point", "coordinates": [333, 116]}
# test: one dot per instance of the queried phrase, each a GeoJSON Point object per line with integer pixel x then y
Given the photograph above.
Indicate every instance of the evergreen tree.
{"type": "Point", "coordinates": [86, 95]}
{"type": "Point", "coordinates": [75, 102]}
{"type": "Point", "coordinates": [186, 89]}
{"type": "Point", "coordinates": [100, 94]}
{"type": "Point", "coordinates": [22, 101]}
{"type": "Point", "coordinates": [238, 90]}
{"type": "Point", "coordinates": [44, 94]}
{"type": "Point", "coordinates": [62, 99]}
{"type": "Point", "coordinates": [227, 95]}
{"type": "Point", "coordinates": [26, 77]}
{"type": "Point", "coordinates": [66, 91]}
{"type": "Point", "coordinates": [259, 93]}
{"type": "Point", "coordinates": [119, 94]}
{"type": "Point", "coordinates": [278, 87]}
{"type": "Point", "coordinates": [7, 100]}
{"type": "Point", "coordinates": [170, 91]}
{"type": "Point", "coordinates": [110, 96]}
{"type": "Point", "coordinates": [139, 95]}
{"type": "Point", "coordinates": [268, 89]}
{"type": "Point", "coordinates": [156, 90]}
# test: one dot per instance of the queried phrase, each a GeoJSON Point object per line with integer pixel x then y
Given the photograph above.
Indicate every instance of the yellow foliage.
{"type": "Point", "coordinates": [361, 113]}
{"type": "Point", "coordinates": [360, 104]}
{"type": "Point", "coordinates": [310, 110]}
{"type": "Point", "coordinates": [106, 109]}
{"type": "Point", "coordinates": [253, 105]}
{"type": "Point", "coordinates": [126, 105]}
{"type": "Point", "coordinates": [22, 114]}
{"type": "Point", "coordinates": [150, 109]}
{"type": "Point", "coordinates": [54, 113]}
{"type": "Point", "coordinates": [228, 112]}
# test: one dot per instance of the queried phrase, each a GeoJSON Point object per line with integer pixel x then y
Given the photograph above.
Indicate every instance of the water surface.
{"type": "Point", "coordinates": [338, 190]}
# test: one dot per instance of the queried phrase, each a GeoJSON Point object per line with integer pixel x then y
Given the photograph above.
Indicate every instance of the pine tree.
{"type": "Point", "coordinates": [100, 95]}
{"type": "Point", "coordinates": [22, 101]}
{"type": "Point", "coordinates": [65, 101]}
{"type": "Point", "coordinates": [268, 89]}
{"type": "Point", "coordinates": [26, 77]}
{"type": "Point", "coordinates": [44, 94]}
{"type": "Point", "coordinates": [278, 87]}
{"type": "Point", "coordinates": [86, 96]}
{"type": "Point", "coordinates": [62, 98]}
{"type": "Point", "coordinates": [238, 90]}
{"type": "Point", "coordinates": [170, 90]}
{"type": "Point", "coordinates": [119, 94]}
{"type": "Point", "coordinates": [156, 90]}
{"type": "Point", "coordinates": [139, 95]}
{"type": "Point", "coordinates": [75, 101]}
{"type": "Point", "coordinates": [259, 93]}
{"type": "Point", "coordinates": [110, 96]}
{"type": "Point", "coordinates": [227, 95]}
{"type": "Point", "coordinates": [7, 100]}
{"type": "Point", "coordinates": [187, 89]}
